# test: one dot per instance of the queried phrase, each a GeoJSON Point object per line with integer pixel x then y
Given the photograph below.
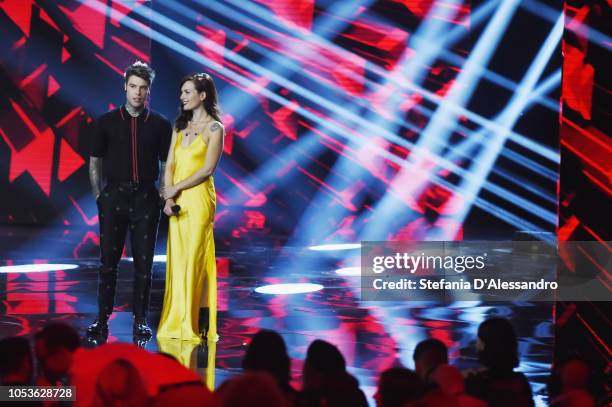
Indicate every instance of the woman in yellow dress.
{"type": "Point", "coordinates": [191, 276]}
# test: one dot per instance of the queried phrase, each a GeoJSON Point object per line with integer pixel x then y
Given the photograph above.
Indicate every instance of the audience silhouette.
{"type": "Point", "coordinates": [122, 375]}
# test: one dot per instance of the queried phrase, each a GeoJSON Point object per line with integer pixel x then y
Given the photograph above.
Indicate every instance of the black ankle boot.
{"type": "Point", "coordinates": [99, 327]}
{"type": "Point", "coordinates": [141, 329]}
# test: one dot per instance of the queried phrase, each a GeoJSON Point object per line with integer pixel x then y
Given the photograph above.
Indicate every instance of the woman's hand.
{"type": "Point", "coordinates": [168, 207]}
{"type": "Point", "coordinates": [170, 192]}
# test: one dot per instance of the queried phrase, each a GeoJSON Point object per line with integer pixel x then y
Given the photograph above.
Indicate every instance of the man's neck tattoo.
{"type": "Point", "coordinates": [133, 111]}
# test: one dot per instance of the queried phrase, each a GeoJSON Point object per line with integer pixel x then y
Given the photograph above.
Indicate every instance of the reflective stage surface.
{"type": "Point", "coordinates": [372, 335]}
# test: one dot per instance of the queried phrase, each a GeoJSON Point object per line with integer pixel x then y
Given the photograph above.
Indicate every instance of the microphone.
{"type": "Point", "coordinates": [176, 209]}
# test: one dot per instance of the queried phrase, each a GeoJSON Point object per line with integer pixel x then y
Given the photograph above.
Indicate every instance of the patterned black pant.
{"type": "Point", "coordinates": [123, 206]}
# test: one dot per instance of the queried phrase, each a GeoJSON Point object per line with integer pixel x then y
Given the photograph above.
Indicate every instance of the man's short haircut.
{"type": "Point", "coordinates": [433, 349]}
{"type": "Point", "coordinates": [57, 335]}
{"type": "Point", "coordinates": [141, 70]}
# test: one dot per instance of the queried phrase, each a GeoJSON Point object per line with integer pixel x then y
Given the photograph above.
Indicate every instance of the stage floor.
{"type": "Point", "coordinates": [372, 335]}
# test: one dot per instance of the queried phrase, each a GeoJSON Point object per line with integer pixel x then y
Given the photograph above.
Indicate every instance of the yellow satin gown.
{"type": "Point", "coordinates": [191, 270]}
{"type": "Point", "coordinates": [186, 353]}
